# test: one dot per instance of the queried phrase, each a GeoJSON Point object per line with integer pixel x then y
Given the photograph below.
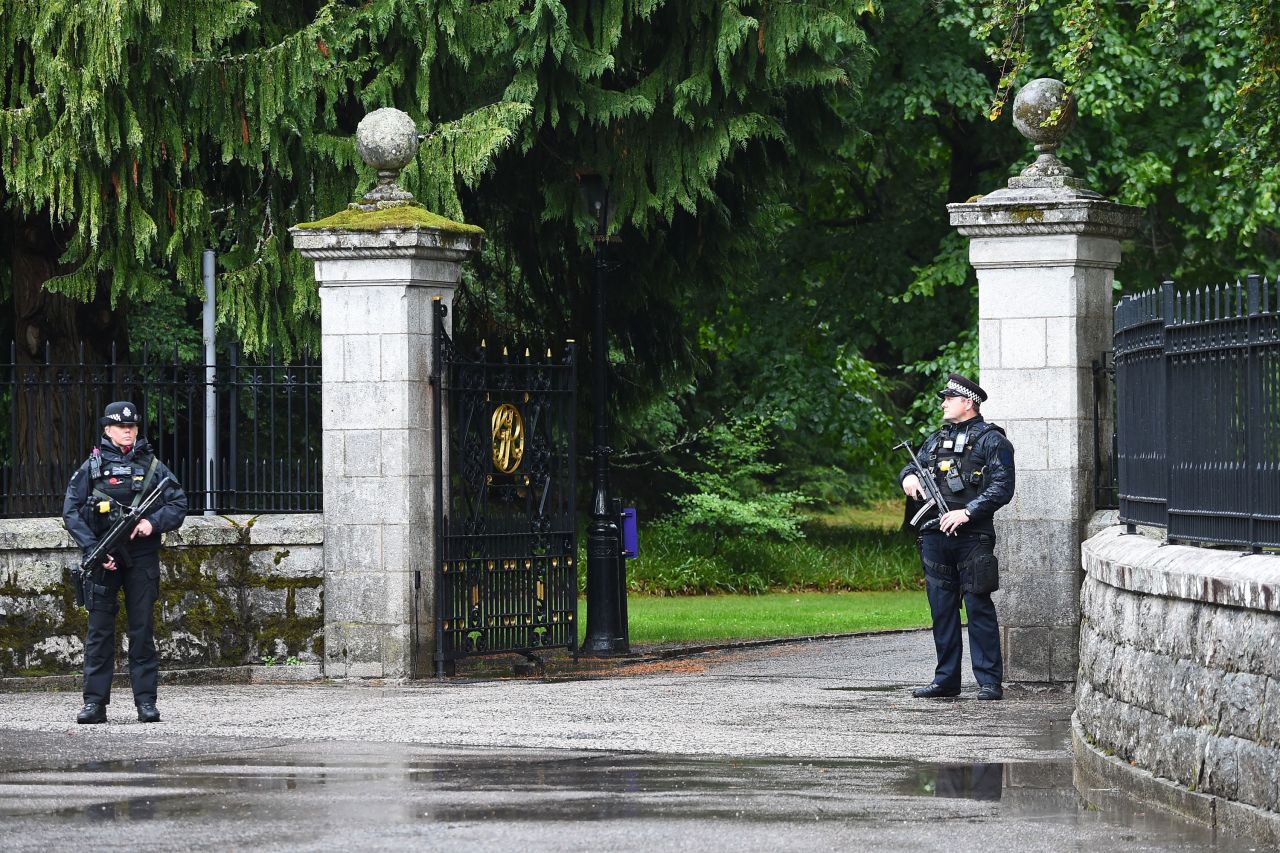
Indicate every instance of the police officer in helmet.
{"type": "Point", "coordinates": [971, 461]}
{"type": "Point", "coordinates": [119, 473]}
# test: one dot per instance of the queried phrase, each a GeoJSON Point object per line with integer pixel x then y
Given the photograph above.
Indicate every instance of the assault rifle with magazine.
{"type": "Point", "coordinates": [117, 533]}
{"type": "Point", "coordinates": [918, 512]}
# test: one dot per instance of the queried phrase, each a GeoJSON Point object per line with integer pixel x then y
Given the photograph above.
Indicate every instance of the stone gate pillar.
{"type": "Point", "coordinates": [380, 264]}
{"type": "Point", "coordinates": [1045, 250]}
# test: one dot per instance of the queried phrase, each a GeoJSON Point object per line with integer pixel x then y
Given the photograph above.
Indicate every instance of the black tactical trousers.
{"type": "Point", "coordinates": [141, 583]}
{"type": "Point", "coordinates": [950, 581]}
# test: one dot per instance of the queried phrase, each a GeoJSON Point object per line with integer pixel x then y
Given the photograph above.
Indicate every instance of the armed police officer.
{"type": "Point", "coordinates": [119, 474]}
{"type": "Point", "coordinates": [971, 462]}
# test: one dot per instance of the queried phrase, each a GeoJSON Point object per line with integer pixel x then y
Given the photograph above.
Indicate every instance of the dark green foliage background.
{"type": "Point", "coordinates": [780, 171]}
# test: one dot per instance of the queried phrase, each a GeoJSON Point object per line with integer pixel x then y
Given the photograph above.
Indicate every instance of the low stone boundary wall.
{"type": "Point", "coordinates": [1180, 676]}
{"type": "Point", "coordinates": [234, 590]}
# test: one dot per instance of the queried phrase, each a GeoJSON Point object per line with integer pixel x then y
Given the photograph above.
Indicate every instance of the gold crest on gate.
{"type": "Point", "coordinates": [508, 438]}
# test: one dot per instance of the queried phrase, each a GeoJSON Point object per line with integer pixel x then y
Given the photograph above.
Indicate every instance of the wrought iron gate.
{"type": "Point", "coordinates": [506, 575]}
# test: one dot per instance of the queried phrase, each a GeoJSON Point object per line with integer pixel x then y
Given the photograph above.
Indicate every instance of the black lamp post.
{"type": "Point", "coordinates": [606, 633]}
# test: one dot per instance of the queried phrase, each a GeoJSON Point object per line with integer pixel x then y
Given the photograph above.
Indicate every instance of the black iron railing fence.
{"type": "Point", "coordinates": [267, 428]}
{"type": "Point", "coordinates": [1198, 412]}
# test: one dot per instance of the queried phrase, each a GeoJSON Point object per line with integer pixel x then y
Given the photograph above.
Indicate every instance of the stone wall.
{"type": "Point", "coordinates": [1180, 676]}
{"type": "Point", "coordinates": [233, 590]}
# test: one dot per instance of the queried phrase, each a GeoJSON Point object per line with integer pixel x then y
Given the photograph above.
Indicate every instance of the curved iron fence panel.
{"type": "Point", "coordinates": [1198, 412]}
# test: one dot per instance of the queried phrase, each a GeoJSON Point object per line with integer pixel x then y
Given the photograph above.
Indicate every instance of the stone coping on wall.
{"type": "Point", "coordinates": [282, 529]}
{"type": "Point", "coordinates": [1142, 564]}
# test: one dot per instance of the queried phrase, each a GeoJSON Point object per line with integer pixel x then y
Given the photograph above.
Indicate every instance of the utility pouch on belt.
{"type": "Point", "coordinates": [984, 570]}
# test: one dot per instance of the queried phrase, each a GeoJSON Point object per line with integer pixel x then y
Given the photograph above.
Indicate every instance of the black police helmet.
{"type": "Point", "coordinates": [120, 413]}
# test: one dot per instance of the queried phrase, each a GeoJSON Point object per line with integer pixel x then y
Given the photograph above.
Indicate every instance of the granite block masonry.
{"type": "Point", "coordinates": [1045, 249]}
{"type": "Point", "coordinates": [234, 590]}
{"type": "Point", "coordinates": [382, 266]}
{"type": "Point", "coordinates": [1180, 678]}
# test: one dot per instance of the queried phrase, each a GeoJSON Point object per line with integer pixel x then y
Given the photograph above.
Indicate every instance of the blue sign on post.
{"type": "Point", "coordinates": [630, 533]}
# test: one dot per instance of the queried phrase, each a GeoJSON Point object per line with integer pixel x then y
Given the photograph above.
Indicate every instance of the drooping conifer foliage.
{"type": "Point", "coordinates": [137, 133]}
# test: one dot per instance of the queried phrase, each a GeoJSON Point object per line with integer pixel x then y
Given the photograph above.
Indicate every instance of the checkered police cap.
{"type": "Point", "coordinates": [958, 386]}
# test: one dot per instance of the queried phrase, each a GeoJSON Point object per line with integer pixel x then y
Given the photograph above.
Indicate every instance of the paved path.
{"type": "Point", "coordinates": [799, 746]}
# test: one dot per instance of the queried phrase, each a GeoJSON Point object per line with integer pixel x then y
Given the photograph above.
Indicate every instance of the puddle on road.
{"type": "Point", "coordinates": [378, 787]}
{"type": "Point", "coordinates": [875, 688]}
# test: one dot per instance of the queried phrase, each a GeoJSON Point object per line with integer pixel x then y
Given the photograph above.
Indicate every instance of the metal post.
{"type": "Point", "coordinates": [233, 424]}
{"type": "Point", "coordinates": [615, 505]}
{"type": "Point", "coordinates": [210, 392]}
{"type": "Point", "coordinates": [1167, 312]}
{"type": "Point", "coordinates": [1255, 420]}
{"type": "Point", "coordinates": [605, 635]}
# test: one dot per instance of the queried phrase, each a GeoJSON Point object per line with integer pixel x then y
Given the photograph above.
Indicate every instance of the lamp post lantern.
{"type": "Point", "coordinates": [606, 633]}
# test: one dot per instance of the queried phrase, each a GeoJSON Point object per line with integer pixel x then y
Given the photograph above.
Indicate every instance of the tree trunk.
{"type": "Point", "coordinates": [60, 371]}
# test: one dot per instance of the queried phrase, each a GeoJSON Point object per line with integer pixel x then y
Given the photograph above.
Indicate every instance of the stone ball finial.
{"type": "Point", "coordinates": [1043, 112]}
{"type": "Point", "coordinates": [387, 140]}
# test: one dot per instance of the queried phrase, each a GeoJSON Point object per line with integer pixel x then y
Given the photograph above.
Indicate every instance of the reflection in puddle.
{"type": "Point", "coordinates": [875, 688]}
{"type": "Point", "coordinates": [387, 790]}
{"type": "Point", "coordinates": [962, 781]}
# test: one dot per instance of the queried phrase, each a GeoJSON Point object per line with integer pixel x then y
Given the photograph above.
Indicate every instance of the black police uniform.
{"type": "Point", "coordinates": [112, 479]}
{"type": "Point", "coordinates": [972, 464]}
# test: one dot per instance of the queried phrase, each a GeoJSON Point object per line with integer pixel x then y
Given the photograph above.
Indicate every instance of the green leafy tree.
{"type": "Point", "coordinates": [727, 490]}
{"type": "Point", "coordinates": [1179, 104]}
{"type": "Point", "coordinates": [857, 257]}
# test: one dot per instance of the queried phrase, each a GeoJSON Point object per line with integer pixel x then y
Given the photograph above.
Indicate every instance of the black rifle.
{"type": "Point", "coordinates": [935, 500]}
{"type": "Point", "coordinates": [117, 533]}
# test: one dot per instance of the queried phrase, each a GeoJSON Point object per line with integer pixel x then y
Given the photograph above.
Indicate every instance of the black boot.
{"type": "Point", "coordinates": [92, 712]}
{"type": "Point", "coordinates": [935, 691]}
{"type": "Point", "coordinates": [147, 713]}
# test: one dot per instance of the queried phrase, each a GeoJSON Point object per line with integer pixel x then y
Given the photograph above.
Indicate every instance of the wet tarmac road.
{"type": "Point", "coordinates": [180, 785]}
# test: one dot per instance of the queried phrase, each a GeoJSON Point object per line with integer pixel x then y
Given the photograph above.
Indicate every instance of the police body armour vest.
{"type": "Point", "coordinates": [118, 483]}
{"type": "Point", "coordinates": [951, 462]}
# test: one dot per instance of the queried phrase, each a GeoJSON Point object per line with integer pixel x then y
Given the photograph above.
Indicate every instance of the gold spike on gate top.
{"type": "Point", "coordinates": [504, 350]}
{"type": "Point", "coordinates": [526, 352]}
{"type": "Point", "coordinates": [483, 345]}
{"type": "Point", "coordinates": [548, 352]}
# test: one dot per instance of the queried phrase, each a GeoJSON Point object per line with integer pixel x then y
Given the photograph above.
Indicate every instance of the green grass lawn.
{"type": "Point", "coordinates": [700, 618]}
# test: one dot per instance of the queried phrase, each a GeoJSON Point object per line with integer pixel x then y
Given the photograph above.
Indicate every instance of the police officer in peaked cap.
{"type": "Point", "coordinates": [120, 472]}
{"type": "Point", "coordinates": [971, 461]}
